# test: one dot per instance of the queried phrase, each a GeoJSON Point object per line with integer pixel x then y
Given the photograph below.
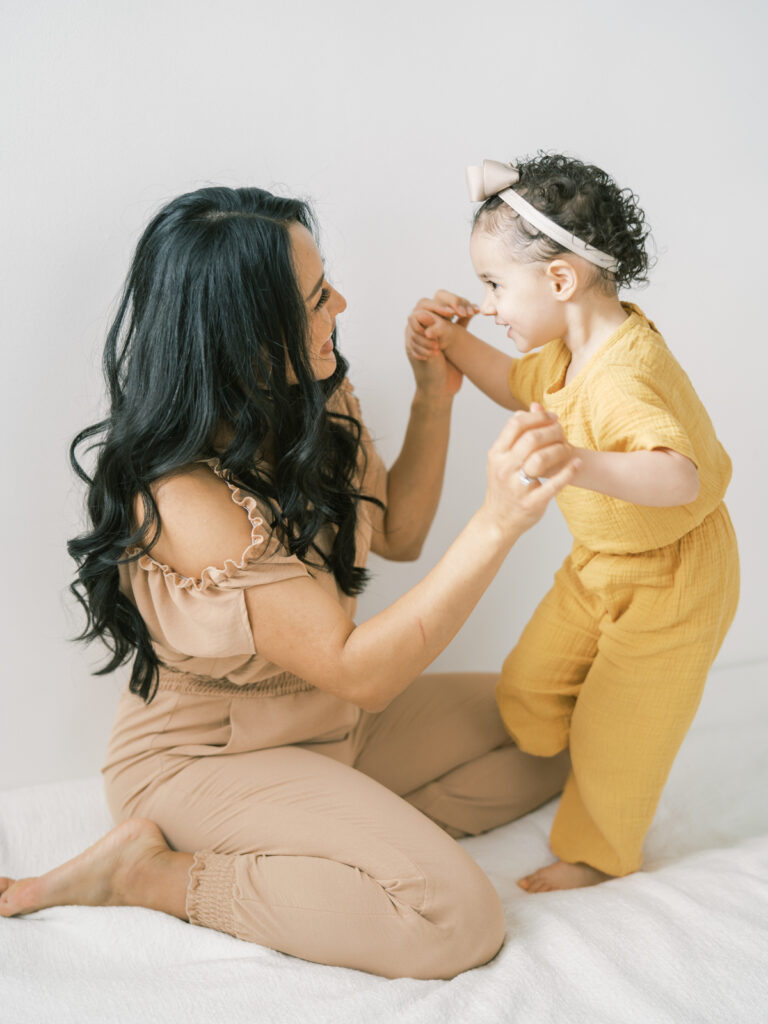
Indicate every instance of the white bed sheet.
{"type": "Point", "coordinates": [685, 940]}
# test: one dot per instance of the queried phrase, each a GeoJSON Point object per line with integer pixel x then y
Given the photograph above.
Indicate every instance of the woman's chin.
{"type": "Point", "coordinates": [324, 365]}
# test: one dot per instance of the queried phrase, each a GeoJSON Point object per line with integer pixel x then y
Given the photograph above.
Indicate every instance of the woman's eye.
{"type": "Point", "coordinates": [325, 294]}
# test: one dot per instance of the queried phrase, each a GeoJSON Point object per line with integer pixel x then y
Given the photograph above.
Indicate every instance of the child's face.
{"type": "Point", "coordinates": [520, 296]}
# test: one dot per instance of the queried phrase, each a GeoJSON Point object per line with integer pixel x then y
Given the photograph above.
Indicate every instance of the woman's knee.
{"type": "Point", "coordinates": [448, 921]}
{"type": "Point", "coordinates": [468, 925]}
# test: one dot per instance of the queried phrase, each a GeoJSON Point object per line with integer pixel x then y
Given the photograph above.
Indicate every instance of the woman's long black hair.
{"type": "Point", "coordinates": [210, 322]}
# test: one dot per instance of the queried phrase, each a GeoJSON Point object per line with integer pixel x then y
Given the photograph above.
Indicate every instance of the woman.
{"type": "Point", "coordinates": [277, 772]}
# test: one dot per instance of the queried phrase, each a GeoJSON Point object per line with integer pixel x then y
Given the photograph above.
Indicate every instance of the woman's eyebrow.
{"type": "Point", "coordinates": [317, 287]}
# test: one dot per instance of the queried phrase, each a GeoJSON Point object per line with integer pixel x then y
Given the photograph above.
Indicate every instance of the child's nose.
{"type": "Point", "coordinates": [487, 306]}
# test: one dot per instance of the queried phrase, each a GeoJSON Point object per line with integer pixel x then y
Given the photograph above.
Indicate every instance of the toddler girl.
{"type": "Point", "coordinates": [615, 658]}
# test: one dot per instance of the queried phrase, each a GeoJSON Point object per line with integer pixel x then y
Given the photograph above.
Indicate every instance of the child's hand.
{"type": "Point", "coordinates": [449, 305]}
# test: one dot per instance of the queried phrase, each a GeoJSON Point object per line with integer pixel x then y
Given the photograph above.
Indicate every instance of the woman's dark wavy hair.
{"type": "Point", "coordinates": [585, 201]}
{"type": "Point", "coordinates": [209, 320]}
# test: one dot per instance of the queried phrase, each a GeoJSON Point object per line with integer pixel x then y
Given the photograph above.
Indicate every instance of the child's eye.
{"type": "Point", "coordinates": [492, 284]}
{"type": "Point", "coordinates": [325, 294]}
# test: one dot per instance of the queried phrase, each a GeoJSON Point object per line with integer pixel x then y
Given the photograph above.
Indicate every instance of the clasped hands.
{"type": "Point", "coordinates": [433, 327]}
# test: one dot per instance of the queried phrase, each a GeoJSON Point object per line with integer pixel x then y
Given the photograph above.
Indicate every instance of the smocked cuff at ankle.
{"type": "Point", "coordinates": [210, 893]}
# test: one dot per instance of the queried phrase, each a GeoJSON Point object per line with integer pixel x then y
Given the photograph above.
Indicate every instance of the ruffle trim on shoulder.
{"type": "Point", "coordinates": [213, 575]}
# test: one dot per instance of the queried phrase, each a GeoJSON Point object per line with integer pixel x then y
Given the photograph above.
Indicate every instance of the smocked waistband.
{"type": "Point", "coordinates": [187, 682]}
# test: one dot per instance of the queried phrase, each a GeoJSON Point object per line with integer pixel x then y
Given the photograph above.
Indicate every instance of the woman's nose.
{"type": "Point", "coordinates": [338, 302]}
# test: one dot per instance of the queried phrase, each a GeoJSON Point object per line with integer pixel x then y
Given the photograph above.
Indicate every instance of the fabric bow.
{"type": "Point", "coordinates": [490, 179]}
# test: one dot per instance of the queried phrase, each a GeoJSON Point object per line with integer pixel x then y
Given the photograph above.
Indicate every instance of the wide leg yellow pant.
{"type": "Point", "coordinates": [613, 664]}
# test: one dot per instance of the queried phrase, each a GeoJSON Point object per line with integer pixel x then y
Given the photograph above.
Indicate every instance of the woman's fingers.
{"type": "Point", "coordinates": [547, 489]}
{"type": "Point", "coordinates": [544, 450]}
{"type": "Point", "coordinates": [419, 320]}
{"type": "Point", "coordinates": [417, 343]}
{"type": "Point", "coordinates": [540, 443]}
{"type": "Point", "coordinates": [534, 442]}
{"type": "Point", "coordinates": [518, 425]}
{"type": "Point", "coordinates": [418, 346]}
{"type": "Point", "coordinates": [527, 436]}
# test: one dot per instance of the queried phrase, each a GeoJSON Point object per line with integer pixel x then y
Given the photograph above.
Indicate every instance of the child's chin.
{"type": "Point", "coordinates": [524, 345]}
{"type": "Point", "coordinates": [517, 341]}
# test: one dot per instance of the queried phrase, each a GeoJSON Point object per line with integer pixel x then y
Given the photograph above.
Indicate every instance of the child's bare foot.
{"type": "Point", "coordinates": [130, 866]}
{"type": "Point", "coordinates": [562, 875]}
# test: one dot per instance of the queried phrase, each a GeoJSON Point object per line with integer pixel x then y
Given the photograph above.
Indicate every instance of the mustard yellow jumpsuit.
{"type": "Point", "coordinates": [614, 660]}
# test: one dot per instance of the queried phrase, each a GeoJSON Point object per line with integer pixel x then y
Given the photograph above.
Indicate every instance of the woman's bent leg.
{"type": "Point", "coordinates": [306, 855]}
{"type": "Point", "coordinates": [443, 747]}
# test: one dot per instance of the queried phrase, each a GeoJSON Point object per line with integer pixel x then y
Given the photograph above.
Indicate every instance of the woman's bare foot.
{"type": "Point", "coordinates": [130, 866]}
{"type": "Point", "coordinates": [562, 875]}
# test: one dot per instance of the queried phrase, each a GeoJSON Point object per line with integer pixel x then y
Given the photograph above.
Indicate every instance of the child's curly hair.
{"type": "Point", "coordinates": [585, 201]}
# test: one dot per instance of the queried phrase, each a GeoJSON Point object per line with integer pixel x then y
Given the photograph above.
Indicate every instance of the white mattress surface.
{"type": "Point", "coordinates": [685, 940]}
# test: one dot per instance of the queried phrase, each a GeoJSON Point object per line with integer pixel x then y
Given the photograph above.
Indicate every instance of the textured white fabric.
{"type": "Point", "coordinates": [686, 940]}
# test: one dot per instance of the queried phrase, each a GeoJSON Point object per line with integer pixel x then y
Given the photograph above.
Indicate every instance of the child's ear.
{"type": "Point", "coordinates": [563, 279]}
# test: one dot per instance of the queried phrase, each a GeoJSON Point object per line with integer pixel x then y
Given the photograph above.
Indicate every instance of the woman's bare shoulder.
{"type": "Point", "coordinates": [200, 524]}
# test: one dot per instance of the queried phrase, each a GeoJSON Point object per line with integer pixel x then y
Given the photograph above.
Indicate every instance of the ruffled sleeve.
{"type": "Point", "coordinates": [207, 617]}
{"type": "Point", "coordinates": [202, 625]}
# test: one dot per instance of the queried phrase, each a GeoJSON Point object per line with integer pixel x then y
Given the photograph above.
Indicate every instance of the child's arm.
{"type": "Point", "coordinates": [431, 330]}
{"type": "Point", "coordinates": [661, 477]}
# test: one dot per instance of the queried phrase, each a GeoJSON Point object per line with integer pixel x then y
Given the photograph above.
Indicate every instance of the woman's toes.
{"type": "Point", "coordinates": [15, 896]}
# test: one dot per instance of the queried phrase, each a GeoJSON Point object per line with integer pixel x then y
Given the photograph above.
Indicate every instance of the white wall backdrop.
{"type": "Point", "coordinates": [109, 110]}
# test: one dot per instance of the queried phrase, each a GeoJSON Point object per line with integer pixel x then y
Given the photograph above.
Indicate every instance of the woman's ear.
{"type": "Point", "coordinates": [563, 279]}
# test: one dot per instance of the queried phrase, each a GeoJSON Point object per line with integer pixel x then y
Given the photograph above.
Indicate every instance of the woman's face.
{"type": "Point", "coordinates": [322, 300]}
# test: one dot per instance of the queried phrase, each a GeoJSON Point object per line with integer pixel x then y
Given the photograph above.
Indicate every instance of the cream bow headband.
{"type": "Point", "coordinates": [495, 178]}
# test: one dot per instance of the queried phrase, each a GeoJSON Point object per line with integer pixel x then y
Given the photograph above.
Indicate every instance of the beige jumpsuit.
{"type": "Point", "coordinates": [318, 829]}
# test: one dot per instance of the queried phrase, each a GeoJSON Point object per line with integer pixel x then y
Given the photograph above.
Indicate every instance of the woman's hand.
{"type": "Point", "coordinates": [435, 375]}
{"type": "Point", "coordinates": [533, 442]}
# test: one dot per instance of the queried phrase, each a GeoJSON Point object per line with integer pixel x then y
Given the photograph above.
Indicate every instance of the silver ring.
{"type": "Point", "coordinates": [527, 479]}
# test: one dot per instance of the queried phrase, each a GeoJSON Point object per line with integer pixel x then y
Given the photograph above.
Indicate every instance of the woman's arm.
{"type": "Point", "coordinates": [304, 630]}
{"type": "Point", "coordinates": [297, 625]}
{"type": "Point", "coordinates": [415, 480]}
